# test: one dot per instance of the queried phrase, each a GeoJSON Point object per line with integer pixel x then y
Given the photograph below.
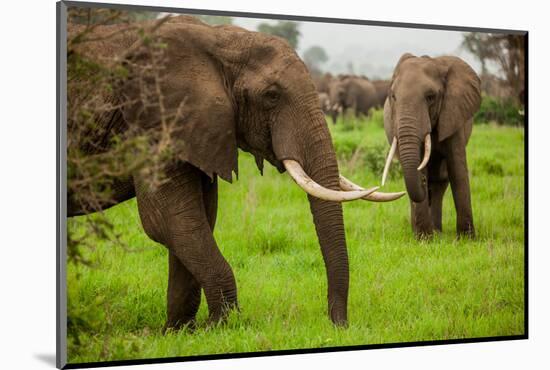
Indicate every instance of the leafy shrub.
{"type": "Point", "coordinates": [374, 158]}
{"type": "Point", "coordinates": [501, 111]}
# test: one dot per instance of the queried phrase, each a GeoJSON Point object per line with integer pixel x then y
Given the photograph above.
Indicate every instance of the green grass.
{"type": "Point", "coordinates": [400, 289]}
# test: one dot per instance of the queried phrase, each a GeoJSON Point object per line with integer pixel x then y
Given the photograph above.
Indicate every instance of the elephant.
{"type": "Point", "coordinates": [430, 110]}
{"type": "Point", "coordinates": [351, 92]}
{"type": "Point", "coordinates": [324, 102]}
{"type": "Point", "coordinates": [244, 90]}
{"type": "Point", "coordinates": [382, 87]}
{"type": "Point", "coordinates": [322, 82]}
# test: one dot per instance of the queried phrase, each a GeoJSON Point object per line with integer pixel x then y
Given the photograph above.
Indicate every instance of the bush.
{"type": "Point", "coordinates": [374, 158]}
{"type": "Point", "coordinates": [501, 111]}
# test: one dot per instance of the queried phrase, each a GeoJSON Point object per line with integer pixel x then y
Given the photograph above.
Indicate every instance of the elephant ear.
{"type": "Point", "coordinates": [462, 96]}
{"type": "Point", "coordinates": [196, 101]}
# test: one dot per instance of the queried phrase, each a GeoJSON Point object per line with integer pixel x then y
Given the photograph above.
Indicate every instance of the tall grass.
{"type": "Point", "coordinates": [400, 289]}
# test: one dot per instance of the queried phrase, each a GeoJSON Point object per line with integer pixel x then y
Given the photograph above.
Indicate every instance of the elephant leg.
{"type": "Point", "coordinates": [460, 185]}
{"type": "Point", "coordinates": [437, 185]}
{"type": "Point", "coordinates": [184, 291]}
{"type": "Point", "coordinates": [210, 197]}
{"type": "Point", "coordinates": [421, 218]}
{"type": "Point", "coordinates": [436, 193]}
{"type": "Point", "coordinates": [183, 295]}
{"type": "Point", "coordinates": [179, 215]}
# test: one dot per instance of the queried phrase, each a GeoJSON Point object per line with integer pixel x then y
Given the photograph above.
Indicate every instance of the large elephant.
{"type": "Point", "coordinates": [430, 109]}
{"type": "Point", "coordinates": [241, 90]}
{"type": "Point", "coordinates": [351, 92]}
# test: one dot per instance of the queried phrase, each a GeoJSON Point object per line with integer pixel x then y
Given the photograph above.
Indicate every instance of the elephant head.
{"type": "Point", "coordinates": [337, 92]}
{"type": "Point", "coordinates": [324, 102]}
{"type": "Point", "coordinates": [350, 91]}
{"type": "Point", "coordinates": [429, 99]}
{"type": "Point", "coordinates": [251, 91]}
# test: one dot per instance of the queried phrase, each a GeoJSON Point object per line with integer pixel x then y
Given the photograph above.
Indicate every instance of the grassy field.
{"type": "Point", "coordinates": [400, 289]}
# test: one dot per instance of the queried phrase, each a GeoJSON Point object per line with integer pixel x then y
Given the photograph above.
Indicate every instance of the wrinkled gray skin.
{"type": "Point", "coordinates": [438, 96]}
{"type": "Point", "coordinates": [351, 92]}
{"type": "Point", "coordinates": [242, 90]}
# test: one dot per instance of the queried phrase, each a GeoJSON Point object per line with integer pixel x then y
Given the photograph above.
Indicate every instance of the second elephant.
{"type": "Point", "coordinates": [430, 110]}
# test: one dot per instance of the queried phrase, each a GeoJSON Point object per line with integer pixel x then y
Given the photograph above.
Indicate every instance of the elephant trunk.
{"type": "Point", "coordinates": [409, 144]}
{"type": "Point", "coordinates": [312, 147]}
{"type": "Point", "coordinates": [322, 166]}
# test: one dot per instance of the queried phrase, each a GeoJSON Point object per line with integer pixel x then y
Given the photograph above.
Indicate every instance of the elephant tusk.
{"type": "Point", "coordinates": [389, 159]}
{"type": "Point", "coordinates": [376, 196]}
{"type": "Point", "coordinates": [427, 151]}
{"type": "Point", "coordinates": [298, 174]}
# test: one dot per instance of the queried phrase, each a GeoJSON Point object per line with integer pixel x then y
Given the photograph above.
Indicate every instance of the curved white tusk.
{"type": "Point", "coordinates": [298, 174]}
{"type": "Point", "coordinates": [427, 151]}
{"type": "Point", "coordinates": [389, 159]}
{"type": "Point", "coordinates": [376, 196]}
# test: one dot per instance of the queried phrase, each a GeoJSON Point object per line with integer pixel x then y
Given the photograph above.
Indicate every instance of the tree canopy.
{"type": "Point", "coordinates": [505, 50]}
{"type": "Point", "coordinates": [286, 29]}
{"type": "Point", "coordinates": [314, 57]}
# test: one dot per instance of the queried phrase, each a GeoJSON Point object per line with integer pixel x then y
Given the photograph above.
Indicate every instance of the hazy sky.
{"type": "Point", "coordinates": [372, 50]}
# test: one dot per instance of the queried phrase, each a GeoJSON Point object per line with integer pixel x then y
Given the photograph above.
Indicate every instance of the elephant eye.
{"type": "Point", "coordinates": [392, 96]}
{"type": "Point", "coordinates": [430, 97]}
{"type": "Point", "coordinates": [272, 95]}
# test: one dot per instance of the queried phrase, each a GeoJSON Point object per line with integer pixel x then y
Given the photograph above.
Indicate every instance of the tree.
{"type": "Point", "coordinates": [215, 19]}
{"type": "Point", "coordinates": [107, 16]}
{"type": "Point", "coordinates": [286, 29]}
{"type": "Point", "coordinates": [506, 50]}
{"type": "Point", "coordinates": [314, 57]}
{"type": "Point", "coordinates": [94, 165]}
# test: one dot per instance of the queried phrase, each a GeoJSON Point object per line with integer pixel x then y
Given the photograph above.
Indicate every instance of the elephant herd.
{"type": "Point", "coordinates": [349, 93]}
{"type": "Point", "coordinates": [251, 91]}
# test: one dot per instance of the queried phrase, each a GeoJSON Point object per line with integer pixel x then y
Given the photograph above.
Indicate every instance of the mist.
{"type": "Point", "coordinates": [372, 51]}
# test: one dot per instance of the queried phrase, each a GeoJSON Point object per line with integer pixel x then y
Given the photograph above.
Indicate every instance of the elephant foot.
{"type": "Point", "coordinates": [424, 234]}
{"type": "Point", "coordinates": [220, 314]}
{"type": "Point", "coordinates": [175, 326]}
{"type": "Point", "coordinates": [465, 229]}
{"type": "Point", "coordinates": [467, 233]}
{"type": "Point", "coordinates": [424, 231]}
{"type": "Point", "coordinates": [339, 319]}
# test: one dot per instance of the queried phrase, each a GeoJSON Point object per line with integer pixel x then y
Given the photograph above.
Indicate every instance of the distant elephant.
{"type": "Point", "coordinates": [324, 102]}
{"type": "Point", "coordinates": [322, 82]}
{"type": "Point", "coordinates": [382, 87]}
{"type": "Point", "coordinates": [242, 90]}
{"type": "Point", "coordinates": [351, 92]}
{"type": "Point", "coordinates": [430, 108]}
